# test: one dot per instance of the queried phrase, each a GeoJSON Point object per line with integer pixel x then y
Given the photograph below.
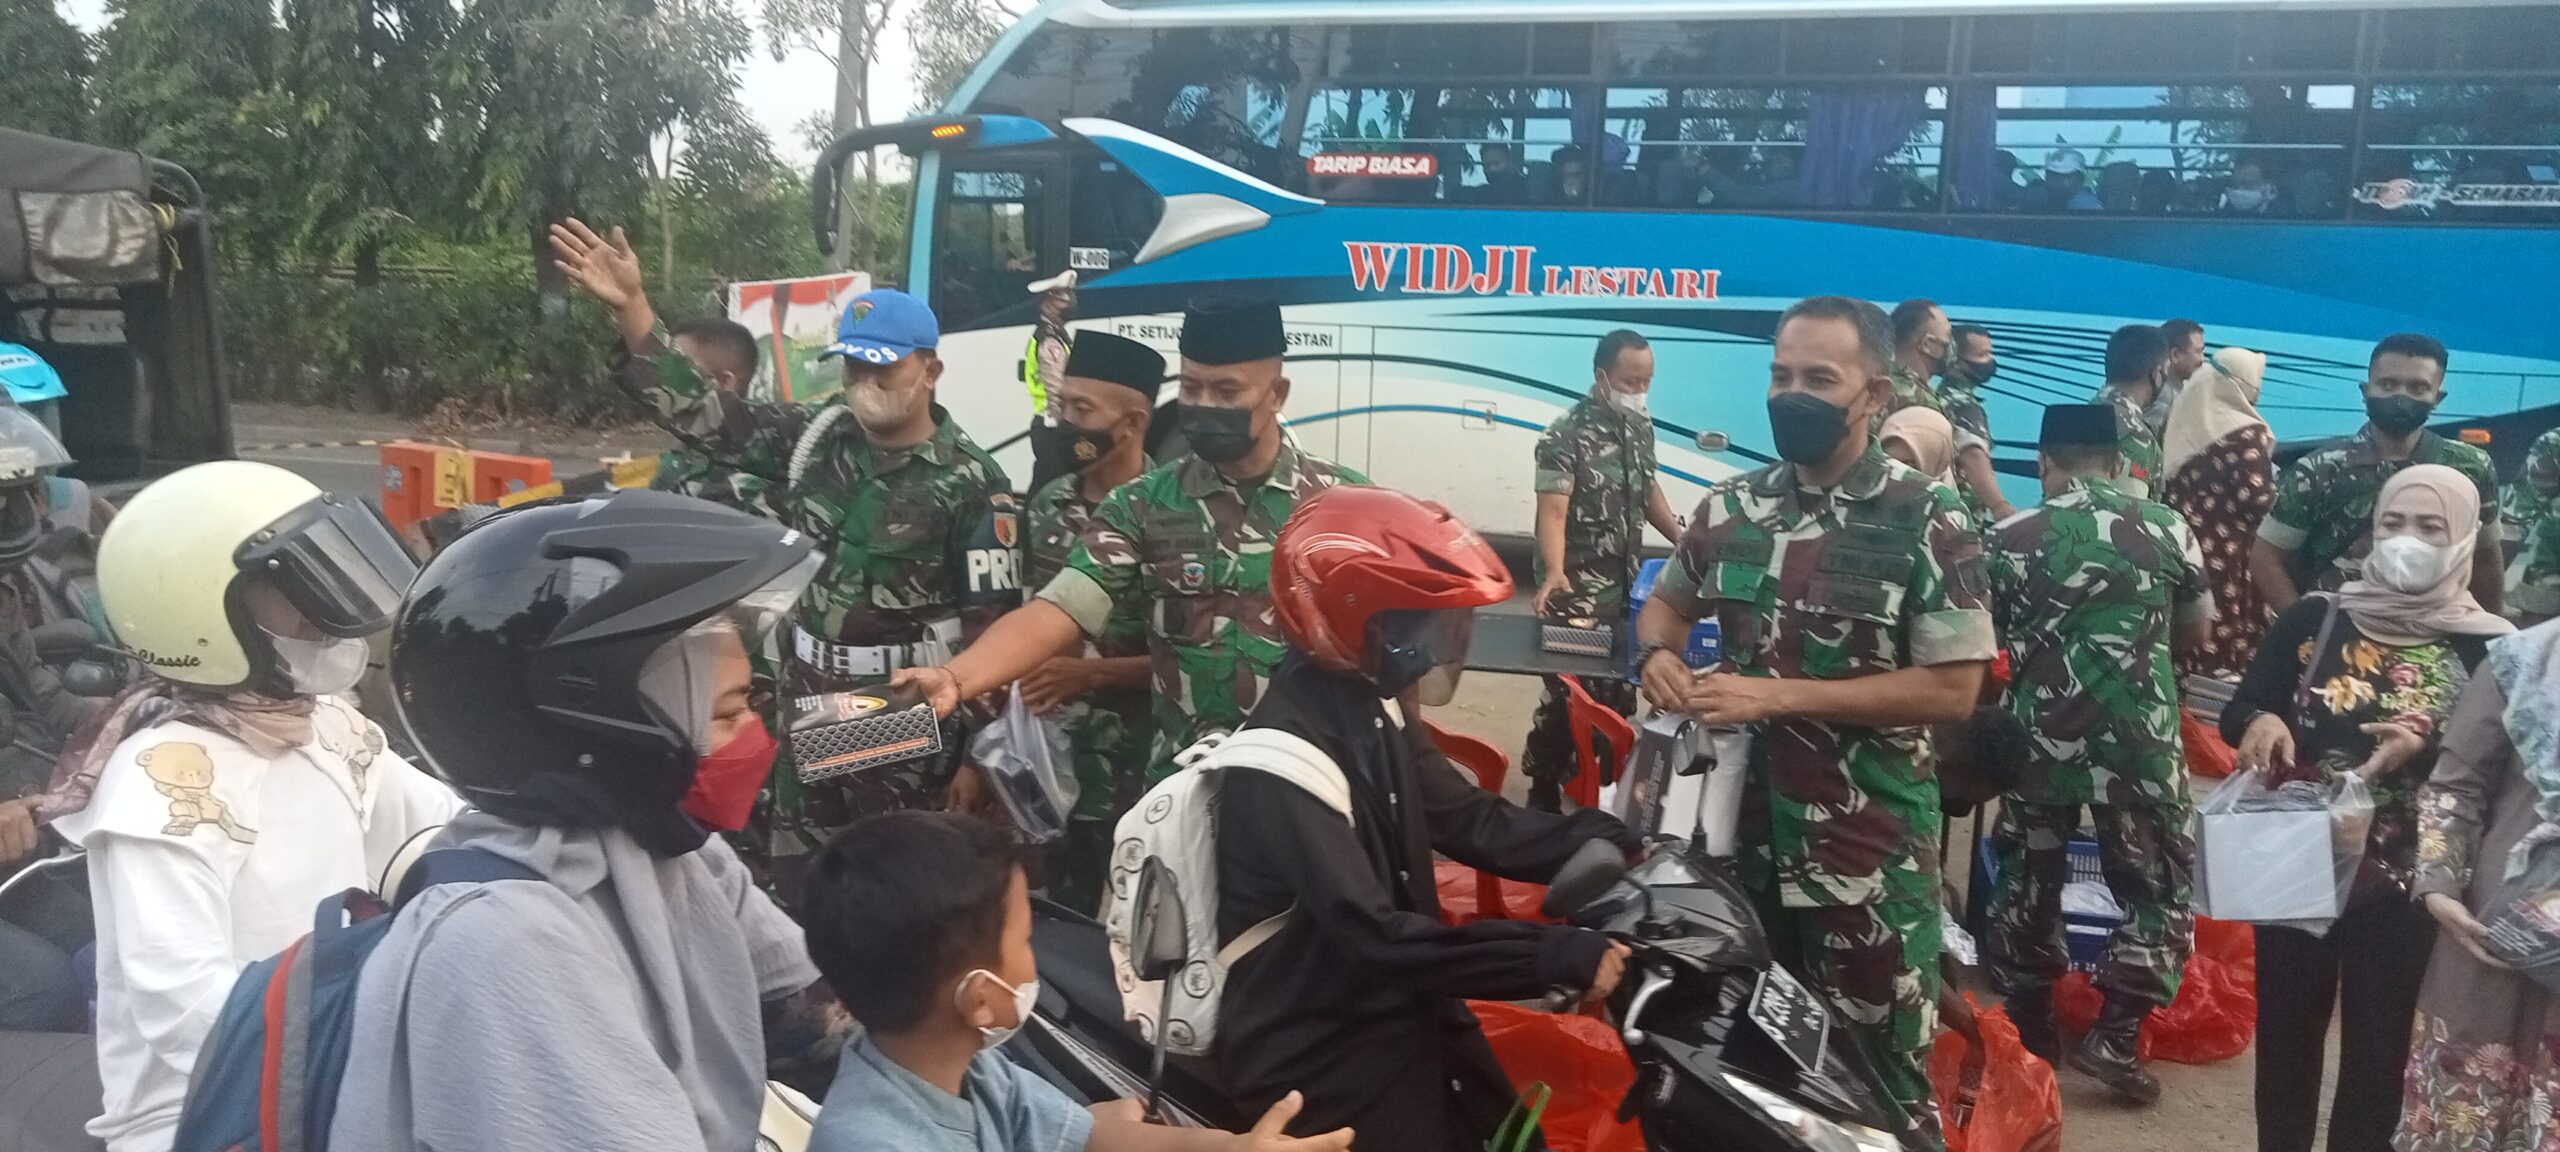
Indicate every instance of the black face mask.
{"type": "Point", "coordinates": [1806, 428]}
{"type": "Point", "coordinates": [1978, 373]}
{"type": "Point", "coordinates": [1218, 435]}
{"type": "Point", "coordinates": [1064, 447]}
{"type": "Point", "coordinates": [2398, 415]}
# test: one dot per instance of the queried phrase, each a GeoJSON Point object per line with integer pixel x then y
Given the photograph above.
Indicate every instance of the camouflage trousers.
{"type": "Point", "coordinates": [1549, 753]}
{"type": "Point", "coordinates": [2147, 854]}
{"type": "Point", "coordinates": [1876, 966]}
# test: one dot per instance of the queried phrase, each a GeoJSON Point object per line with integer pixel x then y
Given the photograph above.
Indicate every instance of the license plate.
{"type": "Point", "coordinates": [1789, 1013]}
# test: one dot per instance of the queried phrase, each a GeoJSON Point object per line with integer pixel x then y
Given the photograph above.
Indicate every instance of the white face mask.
{"type": "Point", "coordinates": [2404, 564]}
{"type": "Point", "coordinates": [2246, 199]}
{"type": "Point", "coordinates": [1026, 998]}
{"type": "Point", "coordinates": [878, 408]}
{"type": "Point", "coordinates": [1632, 403]}
{"type": "Point", "coordinates": [320, 667]}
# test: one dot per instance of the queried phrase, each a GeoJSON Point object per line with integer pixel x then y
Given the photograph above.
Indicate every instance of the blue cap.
{"type": "Point", "coordinates": [28, 378]}
{"type": "Point", "coordinates": [883, 326]}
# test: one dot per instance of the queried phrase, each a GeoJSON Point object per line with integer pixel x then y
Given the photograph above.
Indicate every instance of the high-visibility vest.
{"type": "Point", "coordinates": [1031, 372]}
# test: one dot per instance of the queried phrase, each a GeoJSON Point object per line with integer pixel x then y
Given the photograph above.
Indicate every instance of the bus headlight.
{"type": "Point", "coordinates": [1817, 1132]}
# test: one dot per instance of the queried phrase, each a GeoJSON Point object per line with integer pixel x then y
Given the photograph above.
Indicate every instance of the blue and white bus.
{"type": "Point", "coordinates": [1454, 198]}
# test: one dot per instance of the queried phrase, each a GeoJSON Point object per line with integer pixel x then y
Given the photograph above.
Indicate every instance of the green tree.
{"type": "Point", "coordinates": [949, 38]}
{"type": "Point", "coordinates": [359, 83]}
{"type": "Point", "coordinates": [189, 81]}
{"type": "Point", "coordinates": [44, 70]}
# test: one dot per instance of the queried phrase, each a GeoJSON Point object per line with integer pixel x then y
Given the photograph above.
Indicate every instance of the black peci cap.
{"type": "Point", "coordinates": [1232, 332]}
{"type": "Point", "coordinates": [1118, 359]}
{"type": "Point", "coordinates": [2078, 426]}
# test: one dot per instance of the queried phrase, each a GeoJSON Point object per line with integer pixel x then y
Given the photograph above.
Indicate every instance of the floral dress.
{"type": "Point", "coordinates": [2357, 681]}
{"type": "Point", "coordinates": [2484, 1071]}
{"type": "Point", "coordinates": [2223, 494]}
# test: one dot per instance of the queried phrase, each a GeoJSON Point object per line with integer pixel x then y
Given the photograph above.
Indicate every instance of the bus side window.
{"type": "Point", "coordinates": [2254, 149]}
{"type": "Point", "coordinates": [1421, 144]}
{"type": "Point", "coordinates": [991, 241]}
{"type": "Point", "coordinates": [1856, 147]}
{"type": "Point", "coordinates": [2466, 152]}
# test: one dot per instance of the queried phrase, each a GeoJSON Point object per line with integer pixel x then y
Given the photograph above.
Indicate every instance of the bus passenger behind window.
{"type": "Point", "coordinates": [1568, 177]}
{"type": "Point", "coordinates": [2251, 192]}
{"type": "Point", "coordinates": [1505, 182]}
{"type": "Point", "coordinates": [2066, 183]}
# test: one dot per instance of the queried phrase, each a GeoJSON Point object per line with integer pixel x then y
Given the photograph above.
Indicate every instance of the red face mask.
{"type": "Point", "coordinates": [725, 782]}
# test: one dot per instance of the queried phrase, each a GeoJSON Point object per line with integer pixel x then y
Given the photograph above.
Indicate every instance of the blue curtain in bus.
{"type": "Point", "coordinates": [1847, 132]}
{"type": "Point", "coordinates": [1972, 152]}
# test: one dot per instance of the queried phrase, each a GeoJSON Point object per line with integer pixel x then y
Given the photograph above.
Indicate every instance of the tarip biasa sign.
{"type": "Point", "coordinates": [1382, 165]}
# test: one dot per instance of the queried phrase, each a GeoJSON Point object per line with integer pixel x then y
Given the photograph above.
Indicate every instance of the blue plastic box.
{"type": "Point", "coordinates": [1705, 642]}
{"type": "Point", "coordinates": [2085, 936]}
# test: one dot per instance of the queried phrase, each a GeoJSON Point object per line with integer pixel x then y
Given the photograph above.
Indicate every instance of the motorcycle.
{"type": "Point", "coordinates": [1730, 1050]}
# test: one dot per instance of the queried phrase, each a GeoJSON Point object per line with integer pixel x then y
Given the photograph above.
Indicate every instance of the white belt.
{"type": "Point", "coordinates": [875, 659]}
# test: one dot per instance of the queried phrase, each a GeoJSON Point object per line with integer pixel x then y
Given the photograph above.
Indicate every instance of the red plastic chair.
{"type": "Point", "coordinates": [1491, 768]}
{"type": "Point", "coordinates": [1602, 741]}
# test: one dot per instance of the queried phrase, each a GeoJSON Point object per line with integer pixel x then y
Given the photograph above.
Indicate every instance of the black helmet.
{"type": "Point", "coordinates": [518, 653]}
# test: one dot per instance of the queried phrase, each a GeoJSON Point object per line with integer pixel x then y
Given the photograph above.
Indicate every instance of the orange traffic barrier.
{"type": "Point", "coordinates": [423, 480]}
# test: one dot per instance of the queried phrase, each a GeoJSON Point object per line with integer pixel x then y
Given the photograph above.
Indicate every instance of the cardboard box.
{"type": "Point", "coordinates": [2267, 867]}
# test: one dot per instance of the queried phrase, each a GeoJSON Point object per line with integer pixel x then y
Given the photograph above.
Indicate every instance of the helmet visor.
{"type": "Point", "coordinates": [699, 675]}
{"type": "Point", "coordinates": [27, 447]}
{"type": "Point", "coordinates": [1401, 644]}
{"type": "Point", "coordinates": [338, 561]}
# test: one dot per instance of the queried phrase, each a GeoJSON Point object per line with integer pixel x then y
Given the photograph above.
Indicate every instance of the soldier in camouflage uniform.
{"type": "Point", "coordinates": [2316, 535]}
{"type": "Point", "coordinates": [1852, 601]}
{"type": "Point", "coordinates": [1596, 491]}
{"type": "Point", "coordinates": [1958, 395]}
{"type": "Point", "coordinates": [2529, 521]}
{"type": "Point", "coordinates": [2137, 369]}
{"type": "Point", "coordinates": [1921, 349]}
{"type": "Point", "coordinates": [1185, 548]}
{"type": "Point", "coordinates": [723, 356]}
{"type": "Point", "coordinates": [913, 519]}
{"type": "Point", "coordinates": [2085, 590]}
{"type": "Point", "coordinates": [1103, 398]}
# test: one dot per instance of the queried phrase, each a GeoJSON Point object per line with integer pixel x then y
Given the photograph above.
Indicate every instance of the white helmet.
{"type": "Point", "coordinates": [176, 561]}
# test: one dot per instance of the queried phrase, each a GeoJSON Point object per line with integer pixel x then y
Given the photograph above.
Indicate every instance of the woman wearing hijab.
{"type": "Point", "coordinates": [2361, 682]}
{"type": "Point", "coordinates": [2485, 1071]}
{"type": "Point", "coordinates": [1921, 438]}
{"type": "Point", "coordinates": [2220, 461]}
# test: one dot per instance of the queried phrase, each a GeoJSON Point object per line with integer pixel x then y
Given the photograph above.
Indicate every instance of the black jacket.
{"type": "Point", "coordinates": [1356, 1001]}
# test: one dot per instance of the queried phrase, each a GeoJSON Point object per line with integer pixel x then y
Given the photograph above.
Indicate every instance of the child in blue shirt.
{"type": "Point", "coordinates": [922, 921]}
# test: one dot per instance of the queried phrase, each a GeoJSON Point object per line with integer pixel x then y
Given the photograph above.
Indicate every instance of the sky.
{"type": "Point", "coordinates": [779, 94]}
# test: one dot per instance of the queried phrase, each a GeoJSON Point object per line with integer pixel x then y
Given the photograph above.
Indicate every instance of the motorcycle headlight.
{"type": "Point", "coordinates": [1817, 1132]}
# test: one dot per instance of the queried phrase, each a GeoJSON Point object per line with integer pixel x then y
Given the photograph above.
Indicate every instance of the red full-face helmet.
{"type": "Point", "coordinates": [1382, 585]}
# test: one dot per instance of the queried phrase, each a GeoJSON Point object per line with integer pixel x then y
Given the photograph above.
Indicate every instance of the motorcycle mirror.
{"type": "Point", "coordinates": [92, 679]}
{"type": "Point", "coordinates": [1156, 944]}
{"type": "Point", "coordinates": [60, 640]}
{"type": "Point", "coordinates": [1588, 873]}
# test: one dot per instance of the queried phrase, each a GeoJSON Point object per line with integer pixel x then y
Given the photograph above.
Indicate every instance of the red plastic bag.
{"type": "Point", "coordinates": [2207, 755]}
{"type": "Point", "coordinates": [1459, 884]}
{"type": "Point", "coordinates": [2019, 1106]}
{"type": "Point", "coordinates": [2216, 1013]}
{"type": "Point", "coordinates": [2234, 944]}
{"type": "Point", "coordinates": [1577, 1056]}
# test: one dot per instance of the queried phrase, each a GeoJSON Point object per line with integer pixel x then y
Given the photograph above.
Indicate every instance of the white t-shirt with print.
{"type": "Point", "coordinates": [204, 858]}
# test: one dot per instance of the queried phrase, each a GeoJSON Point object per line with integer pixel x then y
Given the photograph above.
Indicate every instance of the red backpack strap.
{"type": "Point", "coordinates": [273, 1066]}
